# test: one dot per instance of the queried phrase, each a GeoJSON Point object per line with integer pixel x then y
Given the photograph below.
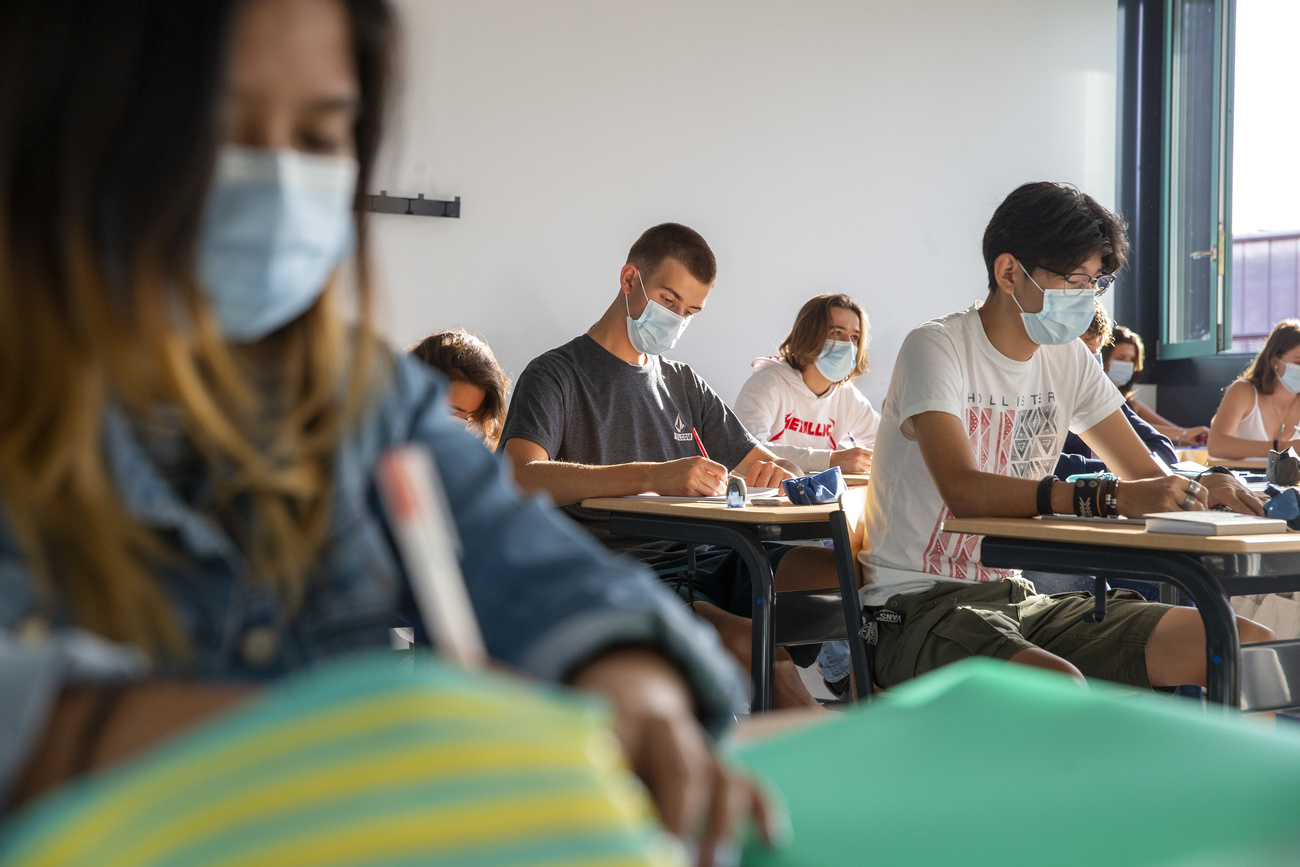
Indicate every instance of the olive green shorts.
{"type": "Point", "coordinates": [952, 621]}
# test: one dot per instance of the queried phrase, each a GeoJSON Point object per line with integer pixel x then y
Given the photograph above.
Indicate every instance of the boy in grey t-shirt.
{"type": "Point", "coordinates": [605, 415]}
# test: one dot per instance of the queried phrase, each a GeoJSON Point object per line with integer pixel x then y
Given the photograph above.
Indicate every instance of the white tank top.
{"type": "Point", "coordinates": [1252, 426]}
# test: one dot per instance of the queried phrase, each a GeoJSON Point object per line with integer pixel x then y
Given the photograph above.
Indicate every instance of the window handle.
{"type": "Point", "coordinates": [1213, 253]}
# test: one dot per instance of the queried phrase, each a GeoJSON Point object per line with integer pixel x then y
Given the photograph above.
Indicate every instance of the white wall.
{"type": "Point", "coordinates": [825, 145]}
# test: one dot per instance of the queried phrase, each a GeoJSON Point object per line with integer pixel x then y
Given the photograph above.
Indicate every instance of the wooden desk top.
{"type": "Point", "coordinates": [1122, 536]}
{"type": "Point", "coordinates": [1202, 456]}
{"type": "Point", "coordinates": [713, 511]}
{"type": "Point", "coordinates": [853, 480]}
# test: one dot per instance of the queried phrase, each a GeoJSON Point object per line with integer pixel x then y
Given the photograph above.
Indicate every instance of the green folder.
{"type": "Point", "coordinates": [989, 763]}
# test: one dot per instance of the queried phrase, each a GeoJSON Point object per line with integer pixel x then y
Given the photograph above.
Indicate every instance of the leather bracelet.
{"type": "Point", "coordinates": [1217, 468]}
{"type": "Point", "coordinates": [1087, 498]}
{"type": "Point", "coordinates": [1045, 495]}
{"type": "Point", "coordinates": [1109, 500]}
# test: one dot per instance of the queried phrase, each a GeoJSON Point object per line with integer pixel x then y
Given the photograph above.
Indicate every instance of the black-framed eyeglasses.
{"type": "Point", "coordinates": [1076, 284]}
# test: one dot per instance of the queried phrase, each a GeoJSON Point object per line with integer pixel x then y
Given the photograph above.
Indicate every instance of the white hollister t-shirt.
{"type": "Point", "coordinates": [1016, 415]}
{"type": "Point", "coordinates": [778, 408]}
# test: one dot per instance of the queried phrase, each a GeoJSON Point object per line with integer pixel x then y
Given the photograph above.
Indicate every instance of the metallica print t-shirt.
{"type": "Point", "coordinates": [1016, 415]}
{"type": "Point", "coordinates": [586, 406]}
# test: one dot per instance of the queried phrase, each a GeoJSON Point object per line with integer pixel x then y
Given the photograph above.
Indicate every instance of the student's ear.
{"type": "Point", "coordinates": [1004, 273]}
{"type": "Point", "coordinates": [627, 279]}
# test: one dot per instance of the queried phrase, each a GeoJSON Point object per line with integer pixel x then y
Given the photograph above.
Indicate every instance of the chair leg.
{"type": "Point", "coordinates": [846, 570]}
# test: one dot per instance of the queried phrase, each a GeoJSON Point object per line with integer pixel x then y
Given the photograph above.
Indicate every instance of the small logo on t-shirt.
{"type": "Point", "coordinates": [681, 433]}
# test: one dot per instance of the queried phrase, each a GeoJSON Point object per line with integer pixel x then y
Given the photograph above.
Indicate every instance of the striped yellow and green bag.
{"type": "Point", "coordinates": [363, 763]}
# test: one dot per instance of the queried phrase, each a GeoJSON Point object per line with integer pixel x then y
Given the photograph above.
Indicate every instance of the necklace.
{"type": "Point", "coordinates": [1282, 415]}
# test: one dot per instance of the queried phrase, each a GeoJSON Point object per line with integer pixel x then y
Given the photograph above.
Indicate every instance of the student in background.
{"type": "Point", "coordinates": [1076, 458]}
{"type": "Point", "coordinates": [477, 385]}
{"type": "Point", "coordinates": [1261, 410]}
{"type": "Point", "coordinates": [803, 405]}
{"type": "Point", "coordinates": [607, 415]}
{"type": "Point", "coordinates": [188, 435]}
{"type": "Point", "coordinates": [1123, 361]}
{"type": "Point", "coordinates": [978, 408]}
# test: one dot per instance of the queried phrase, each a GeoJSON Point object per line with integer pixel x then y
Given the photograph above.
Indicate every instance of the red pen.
{"type": "Point", "coordinates": [699, 443]}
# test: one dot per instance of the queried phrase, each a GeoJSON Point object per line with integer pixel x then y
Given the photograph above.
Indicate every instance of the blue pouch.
{"type": "Point", "coordinates": [824, 487]}
{"type": "Point", "coordinates": [1283, 503]}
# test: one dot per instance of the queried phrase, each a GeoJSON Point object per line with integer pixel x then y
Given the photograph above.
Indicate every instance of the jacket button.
{"type": "Point", "coordinates": [259, 646]}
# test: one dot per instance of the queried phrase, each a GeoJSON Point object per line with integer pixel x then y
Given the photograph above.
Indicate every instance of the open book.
{"type": "Point", "coordinates": [1212, 523]}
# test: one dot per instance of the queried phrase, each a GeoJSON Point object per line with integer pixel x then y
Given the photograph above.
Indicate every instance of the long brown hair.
{"type": "Point", "coordinates": [807, 336]}
{"type": "Point", "coordinates": [1120, 336]}
{"type": "Point", "coordinates": [109, 127]}
{"type": "Point", "coordinates": [1284, 337]}
{"type": "Point", "coordinates": [462, 357]}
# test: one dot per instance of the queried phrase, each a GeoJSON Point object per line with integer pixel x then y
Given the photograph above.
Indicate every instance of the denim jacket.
{"type": "Point", "coordinates": [548, 597]}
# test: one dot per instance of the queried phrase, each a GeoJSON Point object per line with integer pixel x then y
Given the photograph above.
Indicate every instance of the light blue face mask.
{"type": "Point", "coordinates": [275, 225]}
{"type": "Point", "coordinates": [1120, 372]}
{"type": "Point", "coordinates": [837, 360]}
{"type": "Point", "coordinates": [1290, 378]}
{"type": "Point", "coordinates": [657, 329]}
{"type": "Point", "coordinates": [1063, 317]}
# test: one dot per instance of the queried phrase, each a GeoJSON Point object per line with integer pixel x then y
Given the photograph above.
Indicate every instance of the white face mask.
{"type": "Point", "coordinates": [1063, 317]}
{"type": "Point", "coordinates": [837, 360]}
{"type": "Point", "coordinates": [1120, 372]}
{"type": "Point", "coordinates": [1290, 378]}
{"type": "Point", "coordinates": [275, 224]}
{"type": "Point", "coordinates": [657, 329]}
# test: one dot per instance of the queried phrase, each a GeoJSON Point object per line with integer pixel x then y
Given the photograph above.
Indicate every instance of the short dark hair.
{"type": "Point", "coordinates": [674, 241]}
{"type": "Point", "coordinates": [1056, 227]}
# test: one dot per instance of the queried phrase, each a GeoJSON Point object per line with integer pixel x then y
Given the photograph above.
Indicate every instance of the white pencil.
{"type": "Point", "coordinates": [422, 525]}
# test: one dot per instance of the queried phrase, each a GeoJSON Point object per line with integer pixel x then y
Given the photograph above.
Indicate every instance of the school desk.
{"type": "Point", "coordinates": [744, 531]}
{"type": "Point", "coordinates": [1208, 569]}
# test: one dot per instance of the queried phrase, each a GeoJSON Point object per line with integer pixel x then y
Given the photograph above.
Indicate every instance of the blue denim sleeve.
{"type": "Point", "coordinates": [33, 670]}
{"type": "Point", "coordinates": [1159, 444]}
{"type": "Point", "coordinates": [547, 595]}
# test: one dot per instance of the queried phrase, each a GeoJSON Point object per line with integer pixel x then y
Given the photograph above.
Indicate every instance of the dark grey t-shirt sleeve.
{"type": "Point", "coordinates": [724, 436]}
{"type": "Point", "coordinates": [537, 408]}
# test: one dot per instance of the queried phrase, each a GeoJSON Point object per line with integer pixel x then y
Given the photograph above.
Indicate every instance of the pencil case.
{"type": "Point", "coordinates": [824, 487]}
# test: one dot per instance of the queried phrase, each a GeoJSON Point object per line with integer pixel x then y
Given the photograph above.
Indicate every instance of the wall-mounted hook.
{"type": "Point", "coordinates": [417, 207]}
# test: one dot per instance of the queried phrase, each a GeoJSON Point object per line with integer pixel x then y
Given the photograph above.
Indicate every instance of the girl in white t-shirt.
{"type": "Point", "coordinates": [803, 405]}
{"type": "Point", "coordinates": [1262, 409]}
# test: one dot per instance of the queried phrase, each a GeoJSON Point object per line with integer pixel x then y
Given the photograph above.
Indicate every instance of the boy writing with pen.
{"type": "Point", "coordinates": [606, 415]}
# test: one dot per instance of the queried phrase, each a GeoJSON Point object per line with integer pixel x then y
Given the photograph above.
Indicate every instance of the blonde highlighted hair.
{"type": "Point", "coordinates": [100, 311]}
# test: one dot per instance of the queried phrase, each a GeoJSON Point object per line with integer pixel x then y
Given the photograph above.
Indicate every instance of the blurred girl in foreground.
{"type": "Point", "coordinates": [188, 431]}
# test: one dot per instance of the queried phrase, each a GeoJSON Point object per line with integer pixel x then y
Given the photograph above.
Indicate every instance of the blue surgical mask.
{"type": "Point", "coordinates": [657, 329]}
{"type": "Point", "coordinates": [275, 226]}
{"type": "Point", "coordinates": [1120, 372]}
{"type": "Point", "coordinates": [1290, 378]}
{"type": "Point", "coordinates": [1063, 317]}
{"type": "Point", "coordinates": [837, 360]}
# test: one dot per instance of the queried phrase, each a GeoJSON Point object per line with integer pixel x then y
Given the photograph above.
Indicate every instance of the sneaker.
{"type": "Point", "coordinates": [840, 688]}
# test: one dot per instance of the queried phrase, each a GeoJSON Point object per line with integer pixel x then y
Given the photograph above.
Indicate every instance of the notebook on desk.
{"type": "Point", "coordinates": [1212, 523]}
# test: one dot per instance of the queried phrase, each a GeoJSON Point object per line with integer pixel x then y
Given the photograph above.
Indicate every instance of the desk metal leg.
{"type": "Point", "coordinates": [754, 556]}
{"type": "Point", "coordinates": [1222, 643]}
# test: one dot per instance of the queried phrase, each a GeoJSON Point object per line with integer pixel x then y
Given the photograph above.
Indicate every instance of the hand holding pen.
{"type": "Point", "coordinates": [855, 459]}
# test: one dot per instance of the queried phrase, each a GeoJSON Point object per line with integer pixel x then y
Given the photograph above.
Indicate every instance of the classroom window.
{"type": "Point", "coordinates": [1230, 227]}
{"type": "Point", "coordinates": [1265, 170]}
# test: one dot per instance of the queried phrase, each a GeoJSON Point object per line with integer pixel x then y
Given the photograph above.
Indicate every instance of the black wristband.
{"type": "Point", "coordinates": [1045, 495]}
{"type": "Point", "coordinates": [1214, 469]}
{"type": "Point", "coordinates": [1087, 498]}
